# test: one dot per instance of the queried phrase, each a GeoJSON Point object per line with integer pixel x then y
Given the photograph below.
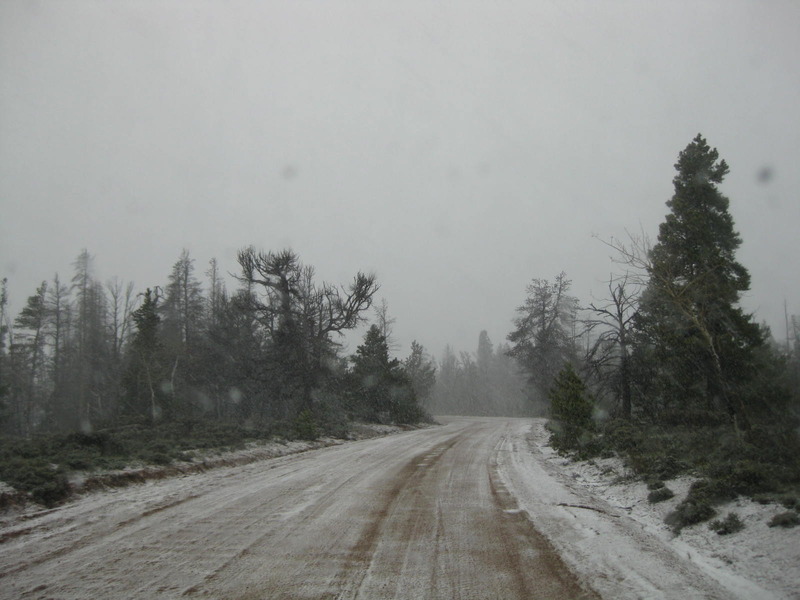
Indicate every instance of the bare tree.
{"type": "Point", "coordinates": [121, 306]}
{"type": "Point", "coordinates": [290, 294]}
{"type": "Point", "coordinates": [385, 323]}
{"type": "Point", "coordinates": [613, 320]}
{"type": "Point", "coordinates": [299, 314]}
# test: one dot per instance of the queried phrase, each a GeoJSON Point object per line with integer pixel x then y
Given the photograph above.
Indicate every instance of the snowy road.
{"type": "Point", "coordinates": [446, 512]}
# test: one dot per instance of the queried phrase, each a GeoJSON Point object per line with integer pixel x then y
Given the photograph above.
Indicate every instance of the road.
{"type": "Point", "coordinates": [431, 513]}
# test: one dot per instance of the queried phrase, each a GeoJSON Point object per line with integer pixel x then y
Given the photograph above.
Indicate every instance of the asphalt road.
{"type": "Point", "coordinates": [420, 514]}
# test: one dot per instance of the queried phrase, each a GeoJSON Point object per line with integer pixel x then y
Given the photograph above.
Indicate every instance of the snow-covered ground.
{"type": "Point", "coordinates": [757, 562]}
{"type": "Point", "coordinates": [202, 460]}
{"type": "Point", "coordinates": [351, 513]}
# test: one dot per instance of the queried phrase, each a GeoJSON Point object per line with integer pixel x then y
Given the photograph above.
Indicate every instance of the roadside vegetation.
{"type": "Point", "coordinates": [677, 377]}
{"type": "Point", "coordinates": [41, 465]}
{"type": "Point", "coordinates": [95, 377]}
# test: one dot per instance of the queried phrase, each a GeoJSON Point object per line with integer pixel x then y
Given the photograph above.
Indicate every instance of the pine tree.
{"type": "Point", "coordinates": [4, 387]}
{"type": "Point", "coordinates": [543, 339]}
{"type": "Point", "coordinates": [183, 321]}
{"type": "Point", "coordinates": [421, 371]}
{"type": "Point", "coordinates": [702, 339]}
{"type": "Point", "coordinates": [32, 320]}
{"type": "Point", "coordinates": [381, 386]}
{"type": "Point", "coordinates": [146, 371]}
{"type": "Point", "coordinates": [571, 407]}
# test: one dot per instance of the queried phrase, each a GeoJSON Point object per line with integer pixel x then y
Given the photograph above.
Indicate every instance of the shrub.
{"type": "Point", "coordinates": [51, 492]}
{"type": "Point", "coordinates": [785, 519]}
{"type": "Point", "coordinates": [45, 483]}
{"type": "Point", "coordinates": [660, 495]}
{"type": "Point", "coordinates": [623, 435]}
{"type": "Point", "coordinates": [730, 524]}
{"type": "Point", "coordinates": [571, 408]}
{"type": "Point", "coordinates": [689, 512]}
{"type": "Point", "coordinates": [710, 491]}
{"type": "Point", "coordinates": [661, 464]}
{"type": "Point", "coordinates": [743, 477]}
{"type": "Point", "coordinates": [305, 426]}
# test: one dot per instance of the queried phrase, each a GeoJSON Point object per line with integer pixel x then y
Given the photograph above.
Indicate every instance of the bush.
{"type": "Point", "coordinates": [623, 435]}
{"type": "Point", "coordinates": [730, 524]}
{"type": "Point", "coordinates": [571, 408]}
{"type": "Point", "coordinates": [660, 495]}
{"type": "Point", "coordinates": [689, 512]}
{"type": "Point", "coordinates": [51, 492]}
{"type": "Point", "coordinates": [305, 426]}
{"type": "Point", "coordinates": [785, 519]}
{"type": "Point", "coordinates": [743, 477]}
{"type": "Point", "coordinates": [661, 464]}
{"type": "Point", "coordinates": [45, 483]}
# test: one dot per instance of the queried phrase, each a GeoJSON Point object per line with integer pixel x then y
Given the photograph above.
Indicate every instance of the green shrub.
{"type": "Point", "coordinates": [743, 477]}
{"type": "Point", "coordinates": [730, 524]}
{"type": "Point", "coordinates": [663, 464]}
{"type": "Point", "coordinates": [689, 512]}
{"type": "Point", "coordinates": [711, 491]}
{"type": "Point", "coordinates": [305, 426]}
{"type": "Point", "coordinates": [660, 495]}
{"type": "Point", "coordinates": [45, 483]}
{"type": "Point", "coordinates": [623, 435]}
{"type": "Point", "coordinates": [785, 519]}
{"type": "Point", "coordinates": [51, 492]}
{"type": "Point", "coordinates": [654, 484]}
{"type": "Point", "coordinates": [571, 408]}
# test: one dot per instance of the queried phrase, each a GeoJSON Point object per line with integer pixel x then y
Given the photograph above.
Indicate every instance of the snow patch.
{"type": "Point", "coordinates": [759, 562]}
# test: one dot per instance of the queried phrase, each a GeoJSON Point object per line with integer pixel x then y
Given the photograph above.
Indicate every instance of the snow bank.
{"type": "Point", "coordinates": [757, 562]}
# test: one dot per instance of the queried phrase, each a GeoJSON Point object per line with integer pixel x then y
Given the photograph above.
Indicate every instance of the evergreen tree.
{"type": "Point", "coordinates": [90, 386]}
{"type": "Point", "coordinates": [382, 388]}
{"type": "Point", "coordinates": [543, 340]}
{"type": "Point", "coordinates": [32, 321]}
{"type": "Point", "coordinates": [485, 354]}
{"type": "Point", "coordinates": [61, 410]}
{"type": "Point", "coordinates": [421, 371]}
{"type": "Point", "coordinates": [146, 375]}
{"type": "Point", "coordinates": [4, 376]}
{"type": "Point", "coordinates": [571, 408]}
{"type": "Point", "coordinates": [702, 340]}
{"type": "Point", "coordinates": [301, 318]}
{"type": "Point", "coordinates": [182, 322]}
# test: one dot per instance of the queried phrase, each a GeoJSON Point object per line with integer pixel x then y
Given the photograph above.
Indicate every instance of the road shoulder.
{"type": "Point", "coordinates": [614, 554]}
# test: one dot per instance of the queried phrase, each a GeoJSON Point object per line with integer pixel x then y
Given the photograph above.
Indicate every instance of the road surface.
{"type": "Point", "coordinates": [431, 513]}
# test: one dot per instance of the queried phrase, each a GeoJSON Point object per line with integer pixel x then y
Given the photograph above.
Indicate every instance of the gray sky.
{"type": "Point", "coordinates": [458, 149]}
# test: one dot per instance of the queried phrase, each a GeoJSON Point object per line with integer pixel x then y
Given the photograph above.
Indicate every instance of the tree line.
{"type": "Point", "coordinates": [670, 340]}
{"type": "Point", "coordinates": [487, 382]}
{"type": "Point", "coordinates": [668, 369]}
{"type": "Point", "coordinates": [83, 355]}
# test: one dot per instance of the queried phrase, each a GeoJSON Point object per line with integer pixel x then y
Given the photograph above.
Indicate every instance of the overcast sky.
{"type": "Point", "coordinates": [457, 149]}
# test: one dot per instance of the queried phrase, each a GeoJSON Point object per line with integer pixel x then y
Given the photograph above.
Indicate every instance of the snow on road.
{"type": "Point", "coordinates": [472, 509]}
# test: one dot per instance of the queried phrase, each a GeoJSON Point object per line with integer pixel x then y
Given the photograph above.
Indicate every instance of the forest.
{"type": "Point", "coordinates": [96, 375]}
{"type": "Point", "coordinates": [667, 369]}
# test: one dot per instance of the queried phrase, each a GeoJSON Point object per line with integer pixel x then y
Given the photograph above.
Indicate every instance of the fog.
{"type": "Point", "coordinates": [456, 149]}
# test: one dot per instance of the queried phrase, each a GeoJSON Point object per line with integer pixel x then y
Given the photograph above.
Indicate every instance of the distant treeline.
{"type": "Point", "coordinates": [83, 355]}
